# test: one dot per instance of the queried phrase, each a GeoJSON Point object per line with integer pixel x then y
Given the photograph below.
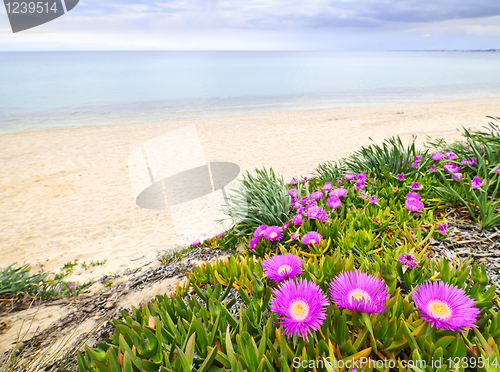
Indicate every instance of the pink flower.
{"type": "Point", "coordinates": [437, 156]}
{"type": "Point", "coordinates": [312, 237]}
{"type": "Point", "coordinates": [327, 186]}
{"type": "Point", "coordinates": [451, 155]}
{"type": "Point", "coordinates": [359, 185]}
{"type": "Point", "coordinates": [317, 195]}
{"type": "Point", "coordinates": [339, 182]}
{"type": "Point", "coordinates": [334, 202]}
{"type": "Point", "coordinates": [412, 195]}
{"type": "Point", "coordinates": [416, 186]}
{"type": "Point", "coordinates": [338, 192]}
{"type": "Point", "coordinates": [476, 182]}
{"type": "Point", "coordinates": [317, 213]}
{"type": "Point", "coordinates": [432, 169]}
{"type": "Point", "coordinates": [443, 228]}
{"type": "Point", "coordinates": [401, 177]}
{"type": "Point", "coordinates": [259, 232]}
{"type": "Point", "coordinates": [497, 169]}
{"type": "Point", "coordinates": [195, 243]}
{"type": "Point", "coordinates": [349, 176]}
{"type": "Point", "coordinates": [293, 193]}
{"type": "Point", "coordinates": [457, 177]}
{"type": "Point", "coordinates": [297, 220]}
{"type": "Point", "coordinates": [253, 243]}
{"type": "Point", "coordinates": [273, 233]}
{"type": "Point", "coordinates": [363, 195]}
{"type": "Point", "coordinates": [294, 181]}
{"type": "Point", "coordinates": [470, 161]}
{"type": "Point", "coordinates": [373, 199]}
{"type": "Point", "coordinates": [294, 236]}
{"type": "Point", "coordinates": [414, 205]}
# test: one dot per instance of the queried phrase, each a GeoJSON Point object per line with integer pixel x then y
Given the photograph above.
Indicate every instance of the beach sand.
{"type": "Point", "coordinates": [66, 194]}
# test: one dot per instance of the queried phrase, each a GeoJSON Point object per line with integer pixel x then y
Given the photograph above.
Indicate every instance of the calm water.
{"type": "Point", "coordinates": [54, 89]}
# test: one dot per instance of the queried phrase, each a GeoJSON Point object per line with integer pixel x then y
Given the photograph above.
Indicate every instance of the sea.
{"type": "Point", "coordinates": [65, 89]}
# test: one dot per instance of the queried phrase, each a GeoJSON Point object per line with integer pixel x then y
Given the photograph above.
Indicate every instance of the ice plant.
{"type": "Point", "coordinates": [414, 205]}
{"type": "Point", "coordinates": [334, 202]}
{"type": "Point", "coordinates": [456, 177]}
{"type": "Point", "coordinates": [476, 182]}
{"type": "Point", "coordinates": [416, 186]}
{"type": "Point", "coordinates": [253, 243]}
{"type": "Point", "coordinates": [297, 220]}
{"type": "Point", "coordinates": [312, 237]}
{"type": "Point", "coordinates": [196, 242]}
{"type": "Point", "coordinates": [432, 169]}
{"type": "Point", "coordinates": [359, 185]}
{"type": "Point", "coordinates": [294, 181]}
{"type": "Point", "coordinates": [349, 176]}
{"type": "Point", "coordinates": [437, 156]}
{"type": "Point", "coordinates": [327, 186]}
{"type": "Point", "coordinates": [445, 306]}
{"type": "Point", "coordinates": [259, 232]}
{"type": "Point", "coordinates": [363, 195]}
{"type": "Point", "coordinates": [300, 307]}
{"type": "Point", "coordinates": [340, 192]}
{"type": "Point", "coordinates": [317, 213]}
{"type": "Point", "coordinates": [293, 193]}
{"type": "Point", "coordinates": [339, 182]}
{"type": "Point", "coordinates": [451, 155]}
{"type": "Point", "coordinates": [497, 169]}
{"type": "Point", "coordinates": [317, 195]}
{"type": "Point", "coordinates": [408, 260]}
{"type": "Point", "coordinates": [356, 290]}
{"type": "Point", "coordinates": [443, 228]}
{"type": "Point", "coordinates": [273, 233]}
{"type": "Point", "coordinates": [412, 195]}
{"type": "Point", "coordinates": [281, 267]}
{"type": "Point", "coordinates": [373, 199]}
{"type": "Point", "coordinates": [401, 177]}
{"type": "Point", "coordinates": [294, 236]}
{"type": "Point", "coordinates": [470, 161]}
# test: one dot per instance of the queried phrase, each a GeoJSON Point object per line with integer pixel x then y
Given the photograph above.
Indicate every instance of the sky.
{"type": "Point", "coordinates": [343, 25]}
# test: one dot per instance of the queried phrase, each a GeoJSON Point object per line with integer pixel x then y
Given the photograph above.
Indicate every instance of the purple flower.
{"type": "Point", "coordinates": [361, 177]}
{"type": "Point", "coordinates": [356, 290]}
{"type": "Point", "coordinates": [71, 285]}
{"type": "Point", "coordinates": [273, 233]}
{"type": "Point", "coordinates": [327, 186]}
{"type": "Point", "coordinates": [412, 195]}
{"type": "Point", "coordinates": [294, 181]}
{"type": "Point", "coordinates": [260, 231]}
{"type": "Point", "coordinates": [359, 185]}
{"type": "Point", "coordinates": [401, 177]}
{"type": "Point", "coordinates": [285, 225]}
{"type": "Point", "coordinates": [300, 208]}
{"type": "Point", "coordinates": [476, 182]}
{"type": "Point", "coordinates": [470, 161]}
{"type": "Point", "coordinates": [294, 236]}
{"type": "Point", "coordinates": [317, 213]}
{"type": "Point", "coordinates": [339, 182]}
{"type": "Point", "coordinates": [408, 260]}
{"type": "Point", "coordinates": [281, 267]}
{"type": "Point", "coordinates": [373, 199]}
{"type": "Point", "coordinates": [451, 168]}
{"type": "Point", "coordinates": [451, 155]}
{"type": "Point", "coordinates": [293, 193]}
{"type": "Point", "coordinates": [416, 186]}
{"type": "Point", "coordinates": [253, 243]}
{"type": "Point", "coordinates": [349, 176]}
{"type": "Point", "coordinates": [317, 195]}
{"type": "Point", "coordinates": [220, 235]}
{"type": "Point", "coordinates": [445, 306]}
{"type": "Point", "coordinates": [300, 307]}
{"type": "Point", "coordinates": [338, 192]}
{"type": "Point", "coordinates": [497, 169]}
{"type": "Point", "coordinates": [443, 228]}
{"type": "Point", "coordinates": [196, 242]}
{"type": "Point", "coordinates": [304, 199]}
{"type": "Point", "coordinates": [468, 148]}
{"type": "Point", "coordinates": [312, 237]}
{"type": "Point", "coordinates": [437, 156]}
{"type": "Point", "coordinates": [297, 219]}
{"type": "Point", "coordinates": [334, 202]}
{"type": "Point", "coordinates": [457, 177]}
{"type": "Point", "coordinates": [432, 169]}
{"type": "Point", "coordinates": [414, 205]}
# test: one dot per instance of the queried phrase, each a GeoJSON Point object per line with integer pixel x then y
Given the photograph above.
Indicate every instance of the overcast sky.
{"type": "Point", "coordinates": [264, 25]}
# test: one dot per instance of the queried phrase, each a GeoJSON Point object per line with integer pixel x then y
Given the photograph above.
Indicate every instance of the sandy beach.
{"type": "Point", "coordinates": [66, 194]}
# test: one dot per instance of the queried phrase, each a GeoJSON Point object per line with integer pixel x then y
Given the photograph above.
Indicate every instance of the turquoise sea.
{"type": "Point", "coordinates": [59, 89]}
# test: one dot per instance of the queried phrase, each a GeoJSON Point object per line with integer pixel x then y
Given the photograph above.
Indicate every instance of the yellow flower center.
{"type": "Point", "coordinates": [439, 309]}
{"type": "Point", "coordinates": [312, 241]}
{"type": "Point", "coordinates": [299, 309]}
{"type": "Point", "coordinates": [273, 234]}
{"type": "Point", "coordinates": [284, 269]}
{"type": "Point", "coordinates": [358, 295]}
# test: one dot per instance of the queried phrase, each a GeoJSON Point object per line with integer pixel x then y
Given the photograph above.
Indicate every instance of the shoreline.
{"type": "Point", "coordinates": [67, 192]}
